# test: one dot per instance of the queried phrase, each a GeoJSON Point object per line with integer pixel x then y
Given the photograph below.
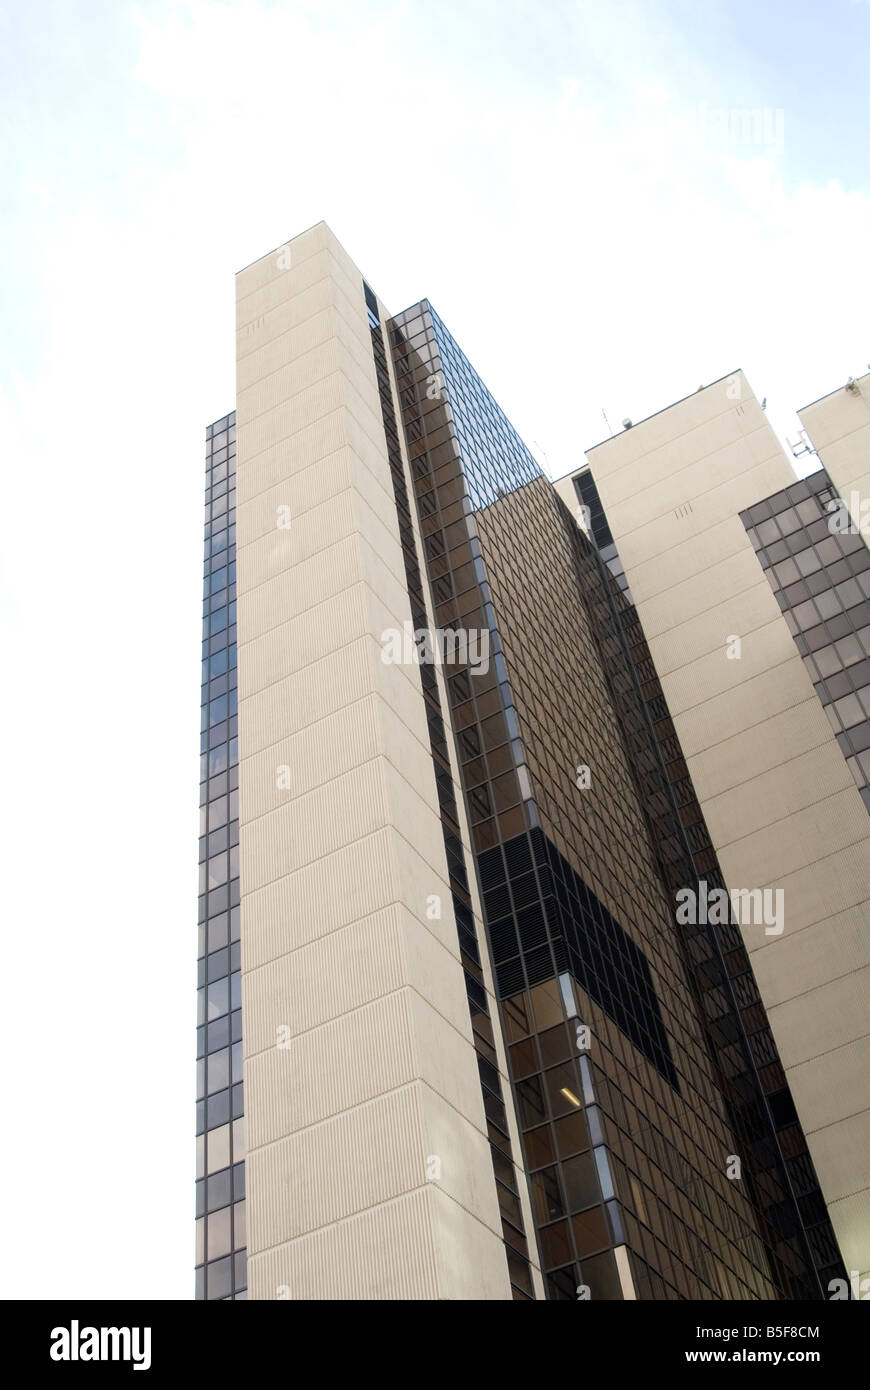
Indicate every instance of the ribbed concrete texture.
{"type": "Point", "coordinates": [368, 1172]}
{"type": "Point", "coordinates": [782, 808]}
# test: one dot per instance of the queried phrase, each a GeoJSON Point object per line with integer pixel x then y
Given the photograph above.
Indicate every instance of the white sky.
{"type": "Point", "coordinates": [542, 172]}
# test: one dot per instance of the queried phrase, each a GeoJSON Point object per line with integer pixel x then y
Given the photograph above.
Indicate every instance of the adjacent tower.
{"type": "Point", "coordinates": [753, 591]}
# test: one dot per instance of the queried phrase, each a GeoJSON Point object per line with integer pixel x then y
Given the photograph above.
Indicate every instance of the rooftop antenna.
{"type": "Point", "coordinates": [606, 421]}
{"type": "Point", "coordinates": [801, 445]}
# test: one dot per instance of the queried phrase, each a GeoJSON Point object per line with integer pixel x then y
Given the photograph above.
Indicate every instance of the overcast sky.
{"type": "Point", "coordinates": [579, 190]}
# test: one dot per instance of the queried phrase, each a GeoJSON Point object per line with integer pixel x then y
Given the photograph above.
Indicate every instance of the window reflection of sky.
{"type": "Point", "coordinates": [495, 458]}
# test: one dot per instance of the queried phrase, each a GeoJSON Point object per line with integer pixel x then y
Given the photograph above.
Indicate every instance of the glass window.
{"type": "Point", "coordinates": [218, 1148]}
{"type": "Point", "coordinates": [219, 1278]}
{"type": "Point", "coordinates": [602, 1277]}
{"type": "Point", "coordinates": [217, 760]}
{"type": "Point", "coordinates": [849, 593]}
{"type": "Point", "coordinates": [555, 1045]}
{"type": "Point", "coordinates": [217, 999]}
{"type": "Point", "coordinates": [767, 532]}
{"type": "Point", "coordinates": [524, 1058]}
{"type": "Point", "coordinates": [218, 1110]}
{"type": "Point", "coordinates": [539, 1147]}
{"type": "Point", "coordinates": [788, 521]}
{"type": "Point", "coordinates": [806, 615]}
{"type": "Point", "coordinates": [547, 1195]}
{"type": "Point", "coordinates": [218, 1071]}
{"type": "Point", "coordinates": [562, 1285]}
{"type": "Point", "coordinates": [563, 1089]}
{"type": "Point", "coordinates": [239, 1229]}
{"type": "Point", "coordinates": [218, 931]}
{"type": "Point", "coordinates": [849, 710]}
{"type": "Point", "coordinates": [808, 562]}
{"type": "Point", "coordinates": [218, 1234]}
{"type": "Point", "coordinates": [849, 650]}
{"type": "Point", "coordinates": [547, 1004]}
{"type": "Point", "coordinates": [581, 1182]}
{"type": "Point", "coordinates": [217, 871]}
{"type": "Point", "coordinates": [827, 604]}
{"type": "Point", "coordinates": [556, 1245]}
{"type": "Point", "coordinates": [217, 843]}
{"type": "Point", "coordinates": [571, 1133]}
{"type": "Point", "coordinates": [827, 661]}
{"type": "Point", "coordinates": [637, 1194]}
{"type": "Point", "coordinates": [531, 1102]}
{"type": "Point", "coordinates": [590, 1231]}
{"type": "Point", "coordinates": [219, 1190]}
{"type": "Point", "coordinates": [218, 965]}
{"type": "Point", "coordinates": [604, 1176]}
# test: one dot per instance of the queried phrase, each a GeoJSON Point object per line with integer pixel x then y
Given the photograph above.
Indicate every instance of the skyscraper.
{"type": "Point", "coordinates": [446, 828]}
{"type": "Point", "coordinates": [753, 590]}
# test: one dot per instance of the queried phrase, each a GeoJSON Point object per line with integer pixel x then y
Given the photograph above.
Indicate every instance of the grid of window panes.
{"type": "Point", "coordinates": [523, 910]}
{"type": "Point", "coordinates": [818, 565]}
{"type": "Point", "coordinates": [570, 1171]}
{"type": "Point", "coordinates": [501, 1152]}
{"type": "Point", "coordinates": [587, 494]}
{"type": "Point", "coordinates": [220, 1128]}
{"type": "Point", "coordinates": [795, 1219]}
{"type": "Point", "coordinates": [496, 458]}
{"type": "Point", "coordinates": [663, 1135]}
{"type": "Point", "coordinates": [508, 567]}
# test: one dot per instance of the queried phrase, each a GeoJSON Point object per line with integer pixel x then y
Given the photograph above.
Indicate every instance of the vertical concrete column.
{"type": "Point", "coordinates": [368, 1170]}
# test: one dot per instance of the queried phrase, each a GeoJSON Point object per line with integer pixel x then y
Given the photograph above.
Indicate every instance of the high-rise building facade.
{"type": "Point", "coordinates": [753, 590]}
{"type": "Point", "coordinates": [220, 1128]}
{"type": "Point", "coordinates": [483, 1058]}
